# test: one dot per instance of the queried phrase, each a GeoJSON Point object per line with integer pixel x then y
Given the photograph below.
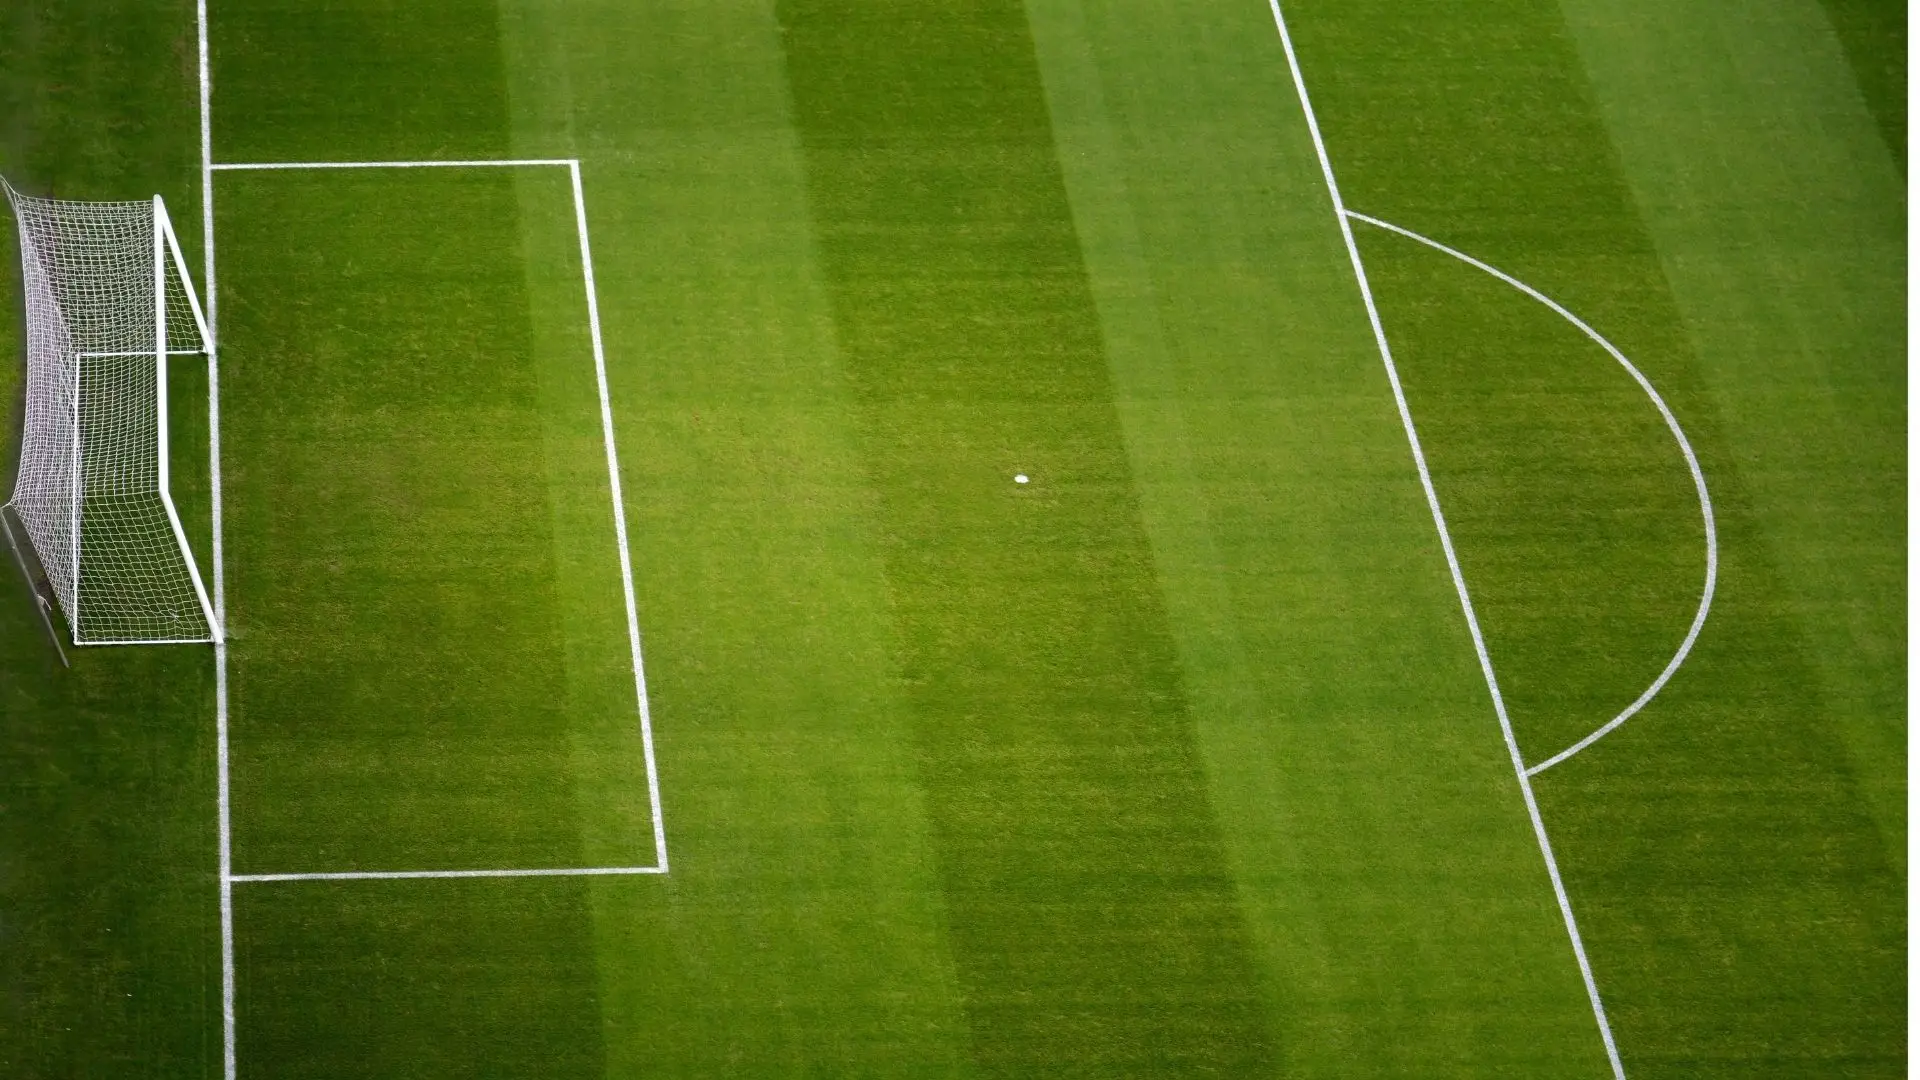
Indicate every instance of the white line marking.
{"type": "Point", "coordinates": [619, 517]}
{"type": "Point", "coordinates": [1446, 544]}
{"type": "Point", "coordinates": [1686, 448]}
{"type": "Point", "coordinates": [613, 479]}
{"type": "Point", "coordinates": [239, 166]}
{"type": "Point", "coordinates": [384, 875]}
{"type": "Point", "coordinates": [228, 1056]}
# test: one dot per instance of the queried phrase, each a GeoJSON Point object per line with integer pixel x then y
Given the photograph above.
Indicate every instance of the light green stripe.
{"type": "Point", "coordinates": [801, 931]}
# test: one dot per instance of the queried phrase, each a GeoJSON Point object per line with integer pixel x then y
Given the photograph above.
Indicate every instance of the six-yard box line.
{"type": "Point", "coordinates": [620, 531]}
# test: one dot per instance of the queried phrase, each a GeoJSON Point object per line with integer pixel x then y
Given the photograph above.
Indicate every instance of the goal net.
{"type": "Point", "coordinates": [108, 301]}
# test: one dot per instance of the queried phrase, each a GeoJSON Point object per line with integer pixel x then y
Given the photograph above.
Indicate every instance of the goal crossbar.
{"type": "Point", "coordinates": [109, 300]}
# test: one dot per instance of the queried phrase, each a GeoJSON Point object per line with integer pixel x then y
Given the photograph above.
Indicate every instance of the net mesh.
{"type": "Point", "coordinates": [91, 485]}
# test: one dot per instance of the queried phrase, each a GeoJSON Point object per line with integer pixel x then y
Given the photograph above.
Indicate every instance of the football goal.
{"type": "Point", "coordinates": [108, 301]}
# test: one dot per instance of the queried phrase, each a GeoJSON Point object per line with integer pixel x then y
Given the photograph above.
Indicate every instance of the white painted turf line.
{"type": "Point", "coordinates": [230, 1066]}
{"type": "Point", "coordinates": [1686, 448]}
{"type": "Point", "coordinates": [1446, 543]}
{"type": "Point", "coordinates": [243, 166]}
{"type": "Point", "coordinates": [386, 875]}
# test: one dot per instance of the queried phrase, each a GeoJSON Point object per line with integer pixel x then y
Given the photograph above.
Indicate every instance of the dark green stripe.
{"type": "Point", "coordinates": [98, 101]}
{"type": "Point", "coordinates": [358, 80]}
{"type": "Point", "coordinates": [1092, 918]}
{"type": "Point", "coordinates": [1874, 35]}
{"type": "Point", "coordinates": [383, 979]}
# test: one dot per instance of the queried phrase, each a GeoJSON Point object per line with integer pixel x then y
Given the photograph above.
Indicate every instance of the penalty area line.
{"type": "Point", "coordinates": [1525, 781]}
{"type": "Point", "coordinates": [385, 875]}
{"type": "Point", "coordinates": [619, 516]}
{"type": "Point", "coordinates": [246, 166]}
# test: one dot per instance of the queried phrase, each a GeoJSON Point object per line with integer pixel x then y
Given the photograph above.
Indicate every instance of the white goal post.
{"type": "Point", "coordinates": [108, 300]}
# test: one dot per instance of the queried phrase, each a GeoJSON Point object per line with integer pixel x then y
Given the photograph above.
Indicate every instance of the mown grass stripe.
{"type": "Point", "coordinates": [1093, 921]}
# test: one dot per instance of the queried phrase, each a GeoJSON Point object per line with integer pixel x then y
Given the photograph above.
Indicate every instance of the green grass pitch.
{"type": "Point", "coordinates": [1176, 761]}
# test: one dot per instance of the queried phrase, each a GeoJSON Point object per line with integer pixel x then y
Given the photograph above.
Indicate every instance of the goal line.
{"type": "Point", "coordinates": [503, 163]}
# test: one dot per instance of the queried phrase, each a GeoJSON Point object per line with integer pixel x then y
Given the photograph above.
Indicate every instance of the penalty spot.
{"type": "Point", "coordinates": [1019, 478]}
